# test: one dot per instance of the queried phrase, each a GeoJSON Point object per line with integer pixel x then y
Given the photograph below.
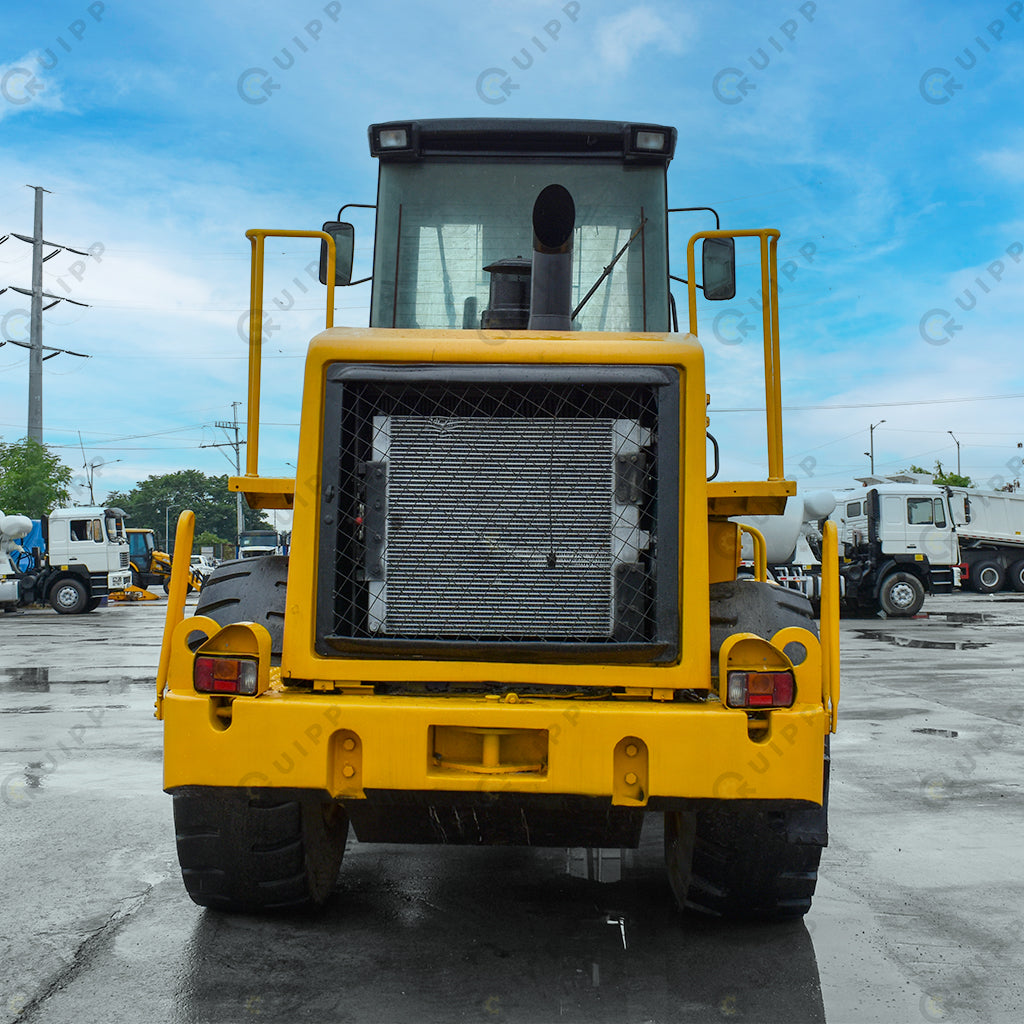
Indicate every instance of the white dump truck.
{"type": "Point", "coordinates": [990, 528]}
{"type": "Point", "coordinates": [85, 558]}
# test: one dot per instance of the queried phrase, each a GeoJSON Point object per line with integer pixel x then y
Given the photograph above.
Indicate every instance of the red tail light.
{"type": "Point", "coordinates": [761, 690]}
{"type": "Point", "coordinates": [225, 675]}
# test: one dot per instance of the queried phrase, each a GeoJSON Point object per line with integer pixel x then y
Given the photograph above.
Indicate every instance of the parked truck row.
{"type": "Point", "coordinates": [901, 539]}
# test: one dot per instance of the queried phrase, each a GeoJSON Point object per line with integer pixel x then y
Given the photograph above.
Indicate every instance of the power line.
{"type": "Point", "coordinates": [873, 405]}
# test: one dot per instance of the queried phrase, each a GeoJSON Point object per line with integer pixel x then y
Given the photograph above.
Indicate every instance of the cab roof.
{"type": "Point", "coordinates": [628, 141]}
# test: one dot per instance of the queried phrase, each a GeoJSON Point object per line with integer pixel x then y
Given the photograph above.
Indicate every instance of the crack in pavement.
{"type": "Point", "coordinates": [87, 949]}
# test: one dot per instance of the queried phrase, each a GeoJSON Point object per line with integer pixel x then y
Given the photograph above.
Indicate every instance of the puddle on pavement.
{"type": "Point", "coordinates": [596, 865]}
{"type": "Point", "coordinates": [43, 680]}
{"type": "Point", "coordinates": [880, 714]}
{"type": "Point", "coordinates": [948, 733]}
{"type": "Point", "coordinates": [965, 618]}
{"type": "Point", "coordinates": [913, 641]}
{"type": "Point", "coordinates": [25, 680]}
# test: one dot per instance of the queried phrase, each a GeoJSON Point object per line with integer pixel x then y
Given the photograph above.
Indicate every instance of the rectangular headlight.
{"type": "Point", "coordinates": [652, 142]}
{"type": "Point", "coordinates": [394, 138]}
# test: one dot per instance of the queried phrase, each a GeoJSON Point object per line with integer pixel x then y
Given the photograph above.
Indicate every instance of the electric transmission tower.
{"type": "Point", "coordinates": [35, 343]}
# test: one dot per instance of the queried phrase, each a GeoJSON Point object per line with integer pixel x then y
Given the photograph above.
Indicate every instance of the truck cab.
{"type": "Point", "coordinates": [898, 542]}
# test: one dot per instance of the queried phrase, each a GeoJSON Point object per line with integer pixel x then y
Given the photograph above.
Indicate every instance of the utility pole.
{"type": "Point", "coordinates": [952, 435]}
{"type": "Point", "coordinates": [871, 454]}
{"type": "Point", "coordinates": [237, 445]}
{"type": "Point", "coordinates": [36, 294]}
{"type": "Point", "coordinates": [35, 339]}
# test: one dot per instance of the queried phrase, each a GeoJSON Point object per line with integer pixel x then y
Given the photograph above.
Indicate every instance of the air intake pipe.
{"type": "Point", "coordinates": [554, 218]}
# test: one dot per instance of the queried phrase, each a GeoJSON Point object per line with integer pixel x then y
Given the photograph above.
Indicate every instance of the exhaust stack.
{"type": "Point", "coordinates": [554, 218]}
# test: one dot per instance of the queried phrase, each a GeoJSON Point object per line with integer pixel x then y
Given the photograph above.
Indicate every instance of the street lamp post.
{"type": "Point", "coordinates": [871, 454]}
{"type": "Point", "coordinates": [167, 528]}
{"type": "Point", "coordinates": [952, 435]}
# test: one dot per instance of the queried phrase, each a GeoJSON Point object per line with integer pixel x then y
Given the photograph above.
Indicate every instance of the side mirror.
{"type": "Point", "coordinates": [719, 268]}
{"type": "Point", "coordinates": [344, 236]}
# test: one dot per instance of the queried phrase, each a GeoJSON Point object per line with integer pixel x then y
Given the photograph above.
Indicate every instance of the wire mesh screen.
{"type": "Point", "coordinates": [493, 513]}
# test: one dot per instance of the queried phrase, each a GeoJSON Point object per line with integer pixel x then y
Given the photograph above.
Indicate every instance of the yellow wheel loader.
{"type": "Point", "coordinates": [511, 611]}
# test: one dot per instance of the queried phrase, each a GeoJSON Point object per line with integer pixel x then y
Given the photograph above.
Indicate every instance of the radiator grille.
{"type": "Point", "coordinates": [491, 513]}
{"type": "Point", "coordinates": [501, 527]}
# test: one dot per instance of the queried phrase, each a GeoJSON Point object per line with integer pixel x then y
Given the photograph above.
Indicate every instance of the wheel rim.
{"type": "Point", "coordinates": [902, 595]}
{"type": "Point", "coordinates": [988, 577]}
{"type": "Point", "coordinates": [67, 597]}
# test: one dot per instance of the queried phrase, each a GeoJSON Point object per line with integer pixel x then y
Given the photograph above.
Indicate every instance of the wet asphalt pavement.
{"type": "Point", "coordinates": [919, 914]}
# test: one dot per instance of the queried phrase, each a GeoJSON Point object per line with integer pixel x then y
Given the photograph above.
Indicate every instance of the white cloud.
{"type": "Point", "coordinates": [620, 39]}
{"type": "Point", "coordinates": [24, 85]}
{"type": "Point", "coordinates": [1007, 163]}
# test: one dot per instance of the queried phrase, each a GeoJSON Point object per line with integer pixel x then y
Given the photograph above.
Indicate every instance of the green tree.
{"type": "Point", "coordinates": [33, 480]}
{"type": "Point", "coordinates": [941, 476]}
{"type": "Point", "coordinates": [159, 499]}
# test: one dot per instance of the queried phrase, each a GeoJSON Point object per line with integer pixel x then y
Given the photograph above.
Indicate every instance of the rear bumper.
{"type": "Point", "coordinates": [631, 752]}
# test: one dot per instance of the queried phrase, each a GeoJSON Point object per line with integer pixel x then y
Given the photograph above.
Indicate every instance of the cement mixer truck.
{"type": "Point", "coordinates": [897, 543]}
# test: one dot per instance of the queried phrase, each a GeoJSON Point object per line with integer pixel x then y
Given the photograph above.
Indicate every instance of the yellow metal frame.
{"type": "Point", "coordinates": [269, 492]}
{"type": "Point", "coordinates": [334, 734]}
{"type": "Point", "coordinates": [829, 621]}
{"type": "Point", "coordinates": [770, 322]}
{"type": "Point", "coordinates": [760, 551]}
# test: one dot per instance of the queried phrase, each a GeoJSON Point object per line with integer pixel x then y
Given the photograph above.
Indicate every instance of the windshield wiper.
{"type": "Point", "coordinates": [607, 270]}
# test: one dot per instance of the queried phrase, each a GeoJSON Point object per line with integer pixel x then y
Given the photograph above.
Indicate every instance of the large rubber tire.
{"type": "Point", "coordinates": [751, 864]}
{"type": "Point", "coordinates": [248, 590]}
{"type": "Point", "coordinates": [69, 597]}
{"type": "Point", "coordinates": [987, 577]}
{"type": "Point", "coordinates": [1015, 576]}
{"type": "Point", "coordinates": [246, 851]}
{"type": "Point", "coordinates": [730, 858]}
{"type": "Point", "coordinates": [901, 595]}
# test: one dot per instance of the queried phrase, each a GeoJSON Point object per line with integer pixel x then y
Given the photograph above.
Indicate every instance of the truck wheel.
{"type": "Point", "coordinates": [987, 577]}
{"type": "Point", "coordinates": [1015, 574]}
{"type": "Point", "coordinates": [748, 863]}
{"type": "Point", "coordinates": [253, 850]}
{"type": "Point", "coordinates": [901, 593]}
{"type": "Point", "coordinates": [248, 590]}
{"type": "Point", "coordinates": [69, 597]}
{"type": "Point", "coordinates": [729, 858]}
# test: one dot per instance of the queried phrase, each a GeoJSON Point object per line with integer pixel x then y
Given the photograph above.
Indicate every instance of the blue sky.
{"type": "Point", "coordinates": [885, 141]}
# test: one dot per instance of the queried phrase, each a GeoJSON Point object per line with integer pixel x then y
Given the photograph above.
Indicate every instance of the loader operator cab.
{"type": "Point", "coordinates": [487, 224]}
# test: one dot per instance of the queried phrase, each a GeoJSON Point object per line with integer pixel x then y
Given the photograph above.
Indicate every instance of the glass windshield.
{"type": "Point", "coordinates": [440, 222]}
{"type": "Point", "coordinates": [261, 540]}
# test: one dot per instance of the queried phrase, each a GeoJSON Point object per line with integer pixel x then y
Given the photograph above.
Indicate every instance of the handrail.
{"type": "Point", "coordinates": [257, 237]}
{"type": "Point", "coordinates": [829, 621]}
{"type": "Point", "coordinates": [760, 551]}
{"type": "Point", "coordinates": [177, 588]}
{"type": "Point", "coordinates": [770, 323]}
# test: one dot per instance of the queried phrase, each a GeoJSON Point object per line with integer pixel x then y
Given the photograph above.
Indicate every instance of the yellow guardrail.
{"type": "Point", "coordinates": [258, 237]}
{"type": "Point", "coordinates": [181, 570]}
{"type": "Point", "coordinates": [760, 551]}
{"type": "Point", "coordinates": [770, 321]}
{"type": "Point", "coordinates": [829, 621]}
